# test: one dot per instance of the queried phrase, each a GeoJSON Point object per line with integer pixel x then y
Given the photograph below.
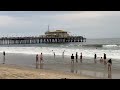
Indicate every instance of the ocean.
{"type": "Point", "coordinates": [24, 55]}
{"type": "Point", "coordinates": [99, 46]}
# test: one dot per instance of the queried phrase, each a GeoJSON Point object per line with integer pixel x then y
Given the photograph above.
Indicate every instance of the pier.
{"type": "Point", "coordinates": [38, 40]}
{"type": "Point", "coordinates": [57, 36]}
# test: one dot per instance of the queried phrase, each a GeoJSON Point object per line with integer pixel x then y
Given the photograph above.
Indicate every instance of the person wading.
{"type": "Point", "coordinates": [81, 58]}
{"type": "Point", "coordinates": [72, 59]}
{"type": "Point", "coordinates": [95, 57]}
{"type": "Point", "coordinates": [3, 57]}
{"type": "Point", "coordinates": [76, 57]}
{"type": "Point", "coordinates": [37, 61]}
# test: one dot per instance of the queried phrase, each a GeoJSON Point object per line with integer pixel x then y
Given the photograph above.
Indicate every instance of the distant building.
{"type": "Point", "coordinates": [57, 33]}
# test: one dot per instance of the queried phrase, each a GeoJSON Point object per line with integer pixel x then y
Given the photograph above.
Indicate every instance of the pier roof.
{"type": "Point", "coordinates": [57, 31]}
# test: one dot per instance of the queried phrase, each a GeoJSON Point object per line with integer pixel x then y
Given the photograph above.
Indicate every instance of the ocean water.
{"type": "Point", "coordinates": [24, 55]}
{"type": "Point", "coordinates": [99, 46]}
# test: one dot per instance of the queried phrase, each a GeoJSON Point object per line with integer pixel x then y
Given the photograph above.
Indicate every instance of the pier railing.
{"type": "Point", "coordinates": [40, 39]}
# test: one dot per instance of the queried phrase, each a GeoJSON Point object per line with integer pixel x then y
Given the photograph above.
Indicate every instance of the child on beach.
{"type": "Point", "coordinates": [101, 60]}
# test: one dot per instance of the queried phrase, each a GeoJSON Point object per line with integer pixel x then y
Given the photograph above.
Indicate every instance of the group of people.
{"type": "Point", "coordinates": [72, 57]}
{"type": "Point", "coordinates": [39, 59]}
{"type": "Point", "coordinates": [102, 60]}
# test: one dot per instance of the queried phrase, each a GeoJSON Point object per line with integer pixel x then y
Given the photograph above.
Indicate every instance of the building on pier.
{"type": "Point", "coordinates": [57, 33]}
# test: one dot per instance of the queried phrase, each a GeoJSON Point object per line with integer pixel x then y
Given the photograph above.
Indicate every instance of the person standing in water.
{"type": "Point", "coordinates": [53, 53]}
{"type": "Point", "coordinates": [105, 62]}
{"type": "Point", "coordinates": [76, 57]}
{"type": "Point", "coordinates": [95, 57]}
{"type": "Point", "coordinates": [81, 58]}
{"type": "Point", "coordinates": [109, 68]}
{"type": "Point", "coordinates": [37, 61]}
{"type": "Point", "coordinates": [3, 57]}
{"type": "Point", "coordinates": [41, 58]}
{"type": "Point", "coordinates": [109, 64]}
{"type": "Point", "coordinates": [72, 58]}
{"type": "Point", "coordinates": [63, 54]}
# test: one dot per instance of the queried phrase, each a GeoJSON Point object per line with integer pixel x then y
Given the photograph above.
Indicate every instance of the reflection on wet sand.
{"type": "Point", "coordinates": [109, 75]}
{"type": "Point", "coordinates": [72, 67]}
{"type": "Point", "coordinates": [39, 65]}
{"type": "Point", "coordinates": [104, 74]}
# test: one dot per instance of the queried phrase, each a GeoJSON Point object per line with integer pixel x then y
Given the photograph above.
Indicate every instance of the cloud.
{"type": "Point", "coordinates": [88, 23]}
{"type": "Point", "coordinates": [9, 21]}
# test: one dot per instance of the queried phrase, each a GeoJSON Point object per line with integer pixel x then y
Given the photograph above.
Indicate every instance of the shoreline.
{"type": "Point", "coordinates": [87, 68]}
{"type": "Point", "coordinates": [17, 72]}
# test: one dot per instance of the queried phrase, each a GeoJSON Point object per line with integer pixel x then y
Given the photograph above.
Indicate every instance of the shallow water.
{"type": "Point", "coordinates": [88, 67]}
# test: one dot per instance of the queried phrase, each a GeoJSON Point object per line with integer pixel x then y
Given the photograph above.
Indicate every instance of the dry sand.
{"type": "Point", "coordinates": [16, 72]}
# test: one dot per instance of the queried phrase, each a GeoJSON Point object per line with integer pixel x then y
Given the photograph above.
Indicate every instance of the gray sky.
{"type": "Point", "coordinates": [91, 24]}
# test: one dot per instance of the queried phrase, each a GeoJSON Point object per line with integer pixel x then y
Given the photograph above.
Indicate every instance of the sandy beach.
{"type": "Point", "coordinates": [24, 66]}
{"type": "Point", "coordinates": [16, 72]}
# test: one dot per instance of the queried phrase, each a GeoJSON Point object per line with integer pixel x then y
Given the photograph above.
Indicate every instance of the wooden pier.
{"type": "Point", "coordinates": [40, 39]}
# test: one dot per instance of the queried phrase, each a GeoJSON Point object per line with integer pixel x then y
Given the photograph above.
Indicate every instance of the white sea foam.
{"type": "Point", "coordinates": [110, 46]}
{"type": "Point", "coordinates": [115, 54]}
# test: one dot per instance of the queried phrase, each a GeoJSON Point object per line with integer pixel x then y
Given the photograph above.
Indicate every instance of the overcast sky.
{"type": "Point", "coordinates": [91, 24]}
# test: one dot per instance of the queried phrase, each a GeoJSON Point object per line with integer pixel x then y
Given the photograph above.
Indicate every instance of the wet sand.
{"type": "Point", "coordinates": [87, 68]}
{"type": "Point", "coordinates": [15, 72]}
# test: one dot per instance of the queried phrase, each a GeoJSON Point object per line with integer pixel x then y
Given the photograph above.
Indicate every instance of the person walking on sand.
{"type": "Point", "coordinates": [72, 59]}
{"type": "Point", "coordinates": [37, 61]}
{"type": "Point", "coordinates": [41, 58]}
{"type": "Point", "coordinates": [95, 57]}
{"type": "Point", "coordinates": [81, 58]}
{"type": "Point", "coordinates": [3, 57]}
{"type": "Point", "coordinates": [76, 57]}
